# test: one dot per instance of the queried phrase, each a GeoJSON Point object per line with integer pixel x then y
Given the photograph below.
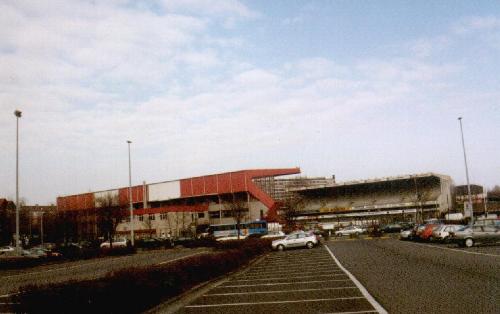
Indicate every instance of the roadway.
{"type": "Point", "coordinates": [398, 276]}
{"type": "Point", "coordinates": [409, 277]}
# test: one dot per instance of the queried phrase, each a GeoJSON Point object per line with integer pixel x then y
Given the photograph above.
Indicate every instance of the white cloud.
{"type": "Point", "coordinates": [89, 76]}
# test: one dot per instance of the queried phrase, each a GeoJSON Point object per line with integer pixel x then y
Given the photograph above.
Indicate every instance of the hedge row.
{"type": "Point", "coordinates": [134, 290]}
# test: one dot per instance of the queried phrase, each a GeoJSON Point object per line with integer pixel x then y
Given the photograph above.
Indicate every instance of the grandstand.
{"type": "Point", "coordinates": [409, 197]}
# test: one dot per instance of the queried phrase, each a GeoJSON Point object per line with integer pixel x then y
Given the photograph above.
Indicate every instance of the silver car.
{"type": "Point", "coordinates": [469, 236]}
{"type": "Point", "coordinates": [300, 239]}
{"type": "Point", "coordinates": [442, 233]}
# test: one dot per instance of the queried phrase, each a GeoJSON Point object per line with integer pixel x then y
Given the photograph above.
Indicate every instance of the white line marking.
{"type": "Point", "coordinates": [290, 265]}
{"type": "Point", "coordinates": [264, 276]}
{"type": "Point", "coordinates": [455, 250]}
{"type": "Point", "coordinates": [273, 302]}
{"type": "Point", "coordinates": [86, 264]}
{"type": "Point", "coordinates": [282, 283]}
{"type": "Point", "coordinates": [297, 277]}
{"type": "Point", "coordinates": [295, 271]}
{"type": "Point", "coordinates": [363, 290]}
{"type": "Point", "coordinates": [179, 258]}
{"type": "Point", "coordinates": [352, 312]}
{"type": "Point", "coordinates": [279, 291]}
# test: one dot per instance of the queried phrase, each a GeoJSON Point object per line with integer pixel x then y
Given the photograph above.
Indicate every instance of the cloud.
{"type": "Point", "coordinates": [476, 23]}
{"type": "Point", "coordinates": [90, 76]}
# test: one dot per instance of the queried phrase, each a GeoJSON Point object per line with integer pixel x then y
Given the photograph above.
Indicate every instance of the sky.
{"type": "Point", "coordinates": [359, 89]}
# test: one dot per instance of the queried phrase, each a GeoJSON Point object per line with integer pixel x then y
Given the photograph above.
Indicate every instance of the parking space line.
{"type": "Point", "coordinates": [309, 261]}
{"type": "Point", "coordinates": [272, 302]}
{"type": "Point", "coordinates": [352, 312]}
{"type": "Point", "coordinates": [274, 278]}
{"type": "Point", "coordinates": [299, 272]}
{"type": "Point", "coordinates": [279, 291]}
{"type": "Point", "coordinates": [289, 274]}
{"type": "Point", "coordinates": [182, 257]}
{"type": "Point", "coordinates": [455, 250]}
{"type": "Point", "coordinates": [282, 283]}
{"type": "Point", "coordinates": [363, 290]}
{"type": "Point", "coordinates": [297, 267]}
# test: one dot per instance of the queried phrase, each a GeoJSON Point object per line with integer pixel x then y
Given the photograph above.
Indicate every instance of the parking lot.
{"type": "Point", "coordinates": [301, 281]}
{"type": "Point", "coordinates": [11, 280]}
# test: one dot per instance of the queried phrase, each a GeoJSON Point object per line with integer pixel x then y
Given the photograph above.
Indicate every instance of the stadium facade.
{"type": "Point", "coordinates": [408, 197]}
{"type": "Point", "coordinates": [186, 206]}
{"type": "Point", "coordinates": [176, 207]}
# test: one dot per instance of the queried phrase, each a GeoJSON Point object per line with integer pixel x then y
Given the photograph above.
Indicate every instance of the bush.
{"type": "Point", "coordinates": [134, 290]}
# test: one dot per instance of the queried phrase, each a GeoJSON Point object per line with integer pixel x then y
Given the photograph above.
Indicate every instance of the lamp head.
{"type": "Point", "coordinates": [459, 118]}
{"type": "Point", "coordinates": [18, 113]}
{"type": "Point", "coordinates": [129, 141]}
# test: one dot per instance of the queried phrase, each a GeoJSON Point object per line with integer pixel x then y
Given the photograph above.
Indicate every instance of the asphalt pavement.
{"type": "Point", "coordinates": [11, 280]}
{"type": "Point", "coordinates": [409, 277]}
{"type": "Point", "coordinates": [294, 281]}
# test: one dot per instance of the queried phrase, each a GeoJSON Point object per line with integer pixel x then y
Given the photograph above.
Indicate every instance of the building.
{"type": "Point", "coordinates": [408, 197]}
{"type": "Point", "coordinates": [175, 207]}
{"type": "Point", "coordinates": [280, 188]}
{"type": "Point", "coordinates": [477, 194]}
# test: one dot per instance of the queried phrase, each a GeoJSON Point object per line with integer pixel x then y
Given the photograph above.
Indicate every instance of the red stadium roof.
{"type": "Point", "coordinates": [215, 184]}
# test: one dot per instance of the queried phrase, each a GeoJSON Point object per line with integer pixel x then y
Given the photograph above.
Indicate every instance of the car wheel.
{"type": "Point", "coordinates": [309, 245]}
{"type": "Point", "coordinates": [281, 247]}
{"type": "Point", "coordinates": [469, 242]}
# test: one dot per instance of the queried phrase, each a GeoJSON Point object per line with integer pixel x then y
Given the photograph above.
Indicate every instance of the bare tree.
{"type": "Point", "coordinates": [290, 207]}
{"type": "Point", "coordinates": [495, 191]}
{"type": "Point", "coordinates": [148, 222]}
{"type": "Point", "coordinates": [109, 215]}
{"type": "Point", "coordinates": [238, 209]}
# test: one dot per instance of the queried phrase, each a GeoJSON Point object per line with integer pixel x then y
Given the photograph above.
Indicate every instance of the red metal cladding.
{"type": "Point", "coordinates": [211, 184]}
{"type": "Point", "coordinates": [259, 173]}
{"type": "Point", "coordinates": [238, 181]}
{"type": "Point", "coordinates": [198, 185]}
{"type": "Point", "coordinates": [224, 183]}
{"type": "Point", "coordinates": [186, 187]}
{"type": "Point", "coordinates": [261, 196]}
{"type": "Point", "coordinates": [173, 208]}
{"type": "Point", "coordinates": [86, 201]}
{"type": "Point", "coordinates": [137, 195]}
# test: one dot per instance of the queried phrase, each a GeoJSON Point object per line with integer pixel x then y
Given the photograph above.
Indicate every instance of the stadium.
{"type": "Point", "coordinates": [402, 198]}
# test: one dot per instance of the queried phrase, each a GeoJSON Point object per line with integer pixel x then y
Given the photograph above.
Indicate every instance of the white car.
{"type": "Point", "coordinates": [121, 242]}
{"type": "Point", "coordinates": [6, 249]}
{"type": "Point", "coordinates": [270, 235]}
{"type": "Point", "coordinates": [299, 239]}
{"type": "Point", "coordinates": [230, 238]}
{"type": "Point", "coordinates": [442, 233]}
{"type": "Point", "coordinates": [351, 230]}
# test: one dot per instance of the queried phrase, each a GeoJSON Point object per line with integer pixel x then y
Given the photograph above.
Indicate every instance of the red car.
{"type": "Point", "coordinates": [426, 234]}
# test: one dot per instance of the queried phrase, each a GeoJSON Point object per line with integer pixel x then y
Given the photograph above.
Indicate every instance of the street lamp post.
{"type": "Point", "coordinates": [130, 196]}
{"type": "Point", "coordinates": [469, 205]}
{"type": "Point", "coordinates": [18, 114]}
{"type": "Point", "coordinates": [41, 227]}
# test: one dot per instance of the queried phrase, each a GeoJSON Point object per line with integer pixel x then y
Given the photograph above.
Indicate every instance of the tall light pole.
{"type": "Point", "coordinates": [130, 196]}
{"type": "Point", "coordinates": [469, 205]}
{"type": "Point", "coordinates": [18, 114]}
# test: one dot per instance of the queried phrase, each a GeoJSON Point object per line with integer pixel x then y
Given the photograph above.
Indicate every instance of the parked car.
{"type": "Point", "coordinates": [391, 228]}
{"type": "Point", "coordinates": [6, 249]}
{"type": "Point", "coordinates": [351, 230]}
{"type": "Point", "coordinates": [276, 234]}
{"type": "Point", "coordinates": [470, 236]}
{"type": "Point", "coordinates": [117, 243]}
{"type": "Point", "coordinates": [298, 239]}
{"type": "Point", "coordinates": [407, 234]}
{"type": "Point", "coordinates": [442, 233]}
{"type": "Point", "coordinates": [426, 234]}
